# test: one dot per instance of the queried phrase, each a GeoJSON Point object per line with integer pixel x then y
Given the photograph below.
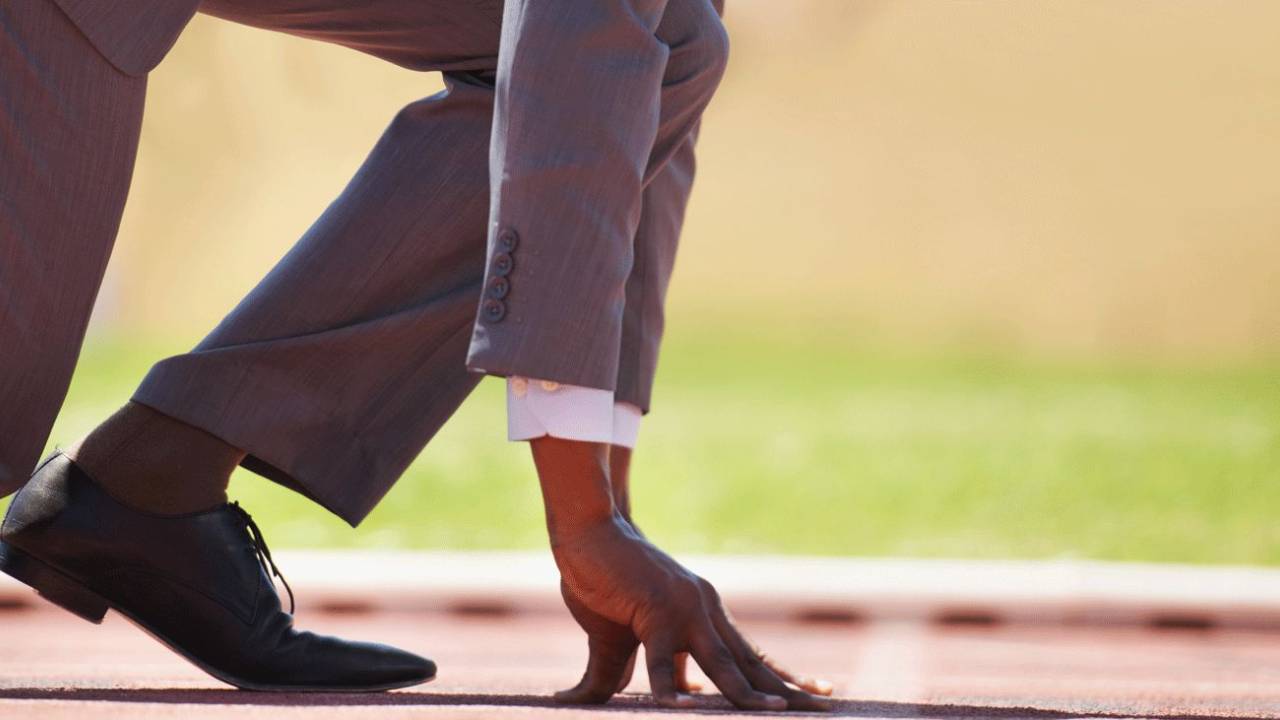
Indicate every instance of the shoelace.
{"type": "Point", "coordinates": [262, 551]}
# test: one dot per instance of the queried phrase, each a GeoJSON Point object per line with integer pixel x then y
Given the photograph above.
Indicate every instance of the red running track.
{"type": "Point", "coordinates": [56, 666]}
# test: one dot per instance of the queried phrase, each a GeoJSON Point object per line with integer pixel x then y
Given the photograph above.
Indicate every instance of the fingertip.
{"type": "Point", "coordinates": [688, 686]}
{"type": "Point", "coordinates": [679, 701]}
{"type": "Point", "coordinates": [566, 697]}
{"type": "Point", "coordinates": [774, 702]}
{"type": "Point", "coordinates": [809, 703]}
{"type": "Point", "coordinates": [580, 696]}
{"type": "Point", "coordinates": [814, 686]}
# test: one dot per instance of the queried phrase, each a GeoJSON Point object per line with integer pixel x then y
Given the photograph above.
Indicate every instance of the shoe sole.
{"type": "Point", "coordinates": [71, 595]}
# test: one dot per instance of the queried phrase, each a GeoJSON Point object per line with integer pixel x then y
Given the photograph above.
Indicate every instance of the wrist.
{"type": "Point", "coordinates": [620, 478]}
{"type": "Point", "coordinates": [574, 478]}
{"type": "Point", "coordinates": [571, 528]}
{"type": "Point", "coordinates": [573, 543]}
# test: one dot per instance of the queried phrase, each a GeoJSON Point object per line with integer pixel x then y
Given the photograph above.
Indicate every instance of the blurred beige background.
{"type": "Point", "coordinates": [1095, 177]}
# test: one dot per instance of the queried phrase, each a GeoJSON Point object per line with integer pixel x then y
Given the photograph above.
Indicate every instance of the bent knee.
{"type": "Point", "coordinates": [713, 50]}
{"type": "Point", "coordinates": [698, 40]}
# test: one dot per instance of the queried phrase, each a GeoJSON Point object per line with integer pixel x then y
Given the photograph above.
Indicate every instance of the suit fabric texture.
{"type": "Point", "coordinates": [353, 351]}
{"type": "Point", "coordinates": [135, 35]}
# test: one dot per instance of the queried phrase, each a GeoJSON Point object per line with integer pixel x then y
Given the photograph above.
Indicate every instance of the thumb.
{"type": "Point", "coordinates": [606, 667]}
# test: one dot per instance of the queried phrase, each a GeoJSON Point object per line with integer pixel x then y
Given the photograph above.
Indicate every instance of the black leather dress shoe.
{"type": "Point", "coordinates": [199, 583]}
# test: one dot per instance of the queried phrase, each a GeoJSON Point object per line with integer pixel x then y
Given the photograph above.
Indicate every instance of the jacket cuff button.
{"type": "Point", "coordinates": [498, 288]}
{"type": "Point", "coordinates": [508, 240]}
{"type": "Point", "coordinates": [494, 310]}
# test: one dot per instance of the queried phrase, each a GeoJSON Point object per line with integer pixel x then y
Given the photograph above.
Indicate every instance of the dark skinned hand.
{"type": "Point", "coordinates": [607, 640]}
{"type": "Point", "coordinates": [625, 592]}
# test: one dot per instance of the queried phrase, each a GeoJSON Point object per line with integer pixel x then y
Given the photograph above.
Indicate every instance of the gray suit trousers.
{"type": "Point", "coordinates": [337, 369]}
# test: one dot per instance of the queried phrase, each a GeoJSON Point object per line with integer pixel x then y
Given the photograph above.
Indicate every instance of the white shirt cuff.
{"type": "Point", "coordinates": [626, 424]}
{"type": "Point", "coordinates": [538, 408]}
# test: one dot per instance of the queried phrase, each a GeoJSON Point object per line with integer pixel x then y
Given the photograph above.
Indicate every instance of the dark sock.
{"type": "Point", "coordinates": [154, 463]}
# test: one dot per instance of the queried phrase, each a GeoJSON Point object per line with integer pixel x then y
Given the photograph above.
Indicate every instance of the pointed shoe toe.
{"type": "Point", "coordinates": [339, 664]}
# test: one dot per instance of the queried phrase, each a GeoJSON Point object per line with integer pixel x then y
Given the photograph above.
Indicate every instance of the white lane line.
{"type": "Point", "coordinates": [890, 665]}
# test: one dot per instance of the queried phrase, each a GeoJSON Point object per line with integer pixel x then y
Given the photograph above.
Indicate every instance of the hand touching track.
{"type": "Point", "coordinates": [625, 592]}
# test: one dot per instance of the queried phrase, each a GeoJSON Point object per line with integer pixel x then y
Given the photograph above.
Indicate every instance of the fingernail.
{"type": "Point", "coordinates": [685, 701]}
{"type": "Point", "coordinates": [824, 687]}
{"type": "Point", "coordinates": [775, 702]}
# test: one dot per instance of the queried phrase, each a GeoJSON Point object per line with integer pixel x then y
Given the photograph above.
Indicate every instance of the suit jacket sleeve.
{"type": "Point", "coordinates": [576, 117]}
{"type": "Point", "coordinates": [132, 36]}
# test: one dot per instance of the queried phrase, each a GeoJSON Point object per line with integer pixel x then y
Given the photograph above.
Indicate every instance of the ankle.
{"type": "Point", "coordinates": [156, 463]}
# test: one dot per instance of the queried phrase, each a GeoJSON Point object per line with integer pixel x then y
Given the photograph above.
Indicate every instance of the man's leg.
{"type": "Point", "coordinates": [657, 238]}
{"type": "Point", "coordinates": [348, 357]}
{"type": "Point", "coordinates": [69, 125]}
{"type": "Point", "coordinates": [395, 243]}
{"type": "Point", "coordinates": [200, 582]}
{"type": "Point", "coordinates": [186, 473]}
{"type": "Point", "coordinates": [662, 210]}
{"type": "Point", "coordinates": [355, 338]}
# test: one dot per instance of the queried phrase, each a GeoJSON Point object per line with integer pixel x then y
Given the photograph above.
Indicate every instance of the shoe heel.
{"type": "Point", "coordinates": [52, 585]}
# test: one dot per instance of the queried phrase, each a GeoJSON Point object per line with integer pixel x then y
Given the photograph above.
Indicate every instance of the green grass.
{"type": "Point", "coordinates": [779, 442]}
